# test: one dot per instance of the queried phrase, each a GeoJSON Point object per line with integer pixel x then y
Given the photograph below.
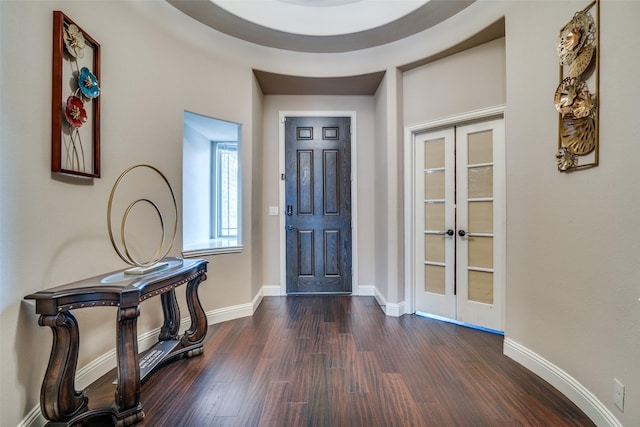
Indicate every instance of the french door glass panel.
{"type": "Point", "coordinates": [434, 211]}
{"type": "Point", "coordinates": [434, 217]}
{"type": "Point", "coordinates": [434, 184]}
{"type": "Point", "coordinates": [479, 213]}
{"type": "Point", "coordinates": [480, 181]}
{"type": "Point", "coordinates": [458, 188]}
{"type": "Point", "coordinates": [480, 216]}
{"type": "Point", "coordinates": [434, 279]}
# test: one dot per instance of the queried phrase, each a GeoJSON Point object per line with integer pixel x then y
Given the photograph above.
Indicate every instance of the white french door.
{"type": "Point", "coordinates": [458, 238]}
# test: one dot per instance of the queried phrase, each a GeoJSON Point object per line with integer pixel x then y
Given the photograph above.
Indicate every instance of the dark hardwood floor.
{"type": "Point", "coordinates": [339, 361]}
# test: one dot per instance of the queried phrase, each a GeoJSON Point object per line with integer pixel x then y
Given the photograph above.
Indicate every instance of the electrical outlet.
{"type": "Point", "coordinates": [618, 394]}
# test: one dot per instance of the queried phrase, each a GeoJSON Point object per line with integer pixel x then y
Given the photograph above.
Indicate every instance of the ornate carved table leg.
{"type": "Point", "coordinates": [58, 397]}
{"type": "Point", "coordinates": [171, 312]}
{"type": "Point", "coordinates": [128, 388]}
{"type": "Point", "coordinates": [198, 330]}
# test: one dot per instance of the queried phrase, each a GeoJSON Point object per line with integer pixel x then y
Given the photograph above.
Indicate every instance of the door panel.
{"type": "Point", "coordinates": [306, 256]}
{"type": "Point", "coordinates": [331, 189]}
{"type": "Point", "coordinates": [434, 215]}
{"type": "Point", "coordinates": [305, 182]}
{"type": "Point", "coordinates": [318, 199]}
{"type": "Point", "coordinates": [458, 215]}
{"type": "Point", "coordinates": [479, 214]}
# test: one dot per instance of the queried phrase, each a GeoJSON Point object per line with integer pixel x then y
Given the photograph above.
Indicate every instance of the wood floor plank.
{"type": "Point", "coordinates": [253, 402]}
{"type": "Point", "coordinates": [274, 402]}
{"type": "Point", "coordinates": [338, 361]}
{"type": "Point", "coordinates": [399, 407]}
{"type": "Point", "coordinates": [317, 383]}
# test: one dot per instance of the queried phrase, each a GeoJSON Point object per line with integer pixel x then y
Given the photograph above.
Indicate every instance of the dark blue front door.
{"type": "Point", "coordinates": [318, 204]}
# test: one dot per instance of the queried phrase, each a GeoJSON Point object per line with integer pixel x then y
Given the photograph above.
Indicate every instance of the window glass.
{"type": "Point", "coordinates": [225, 200]}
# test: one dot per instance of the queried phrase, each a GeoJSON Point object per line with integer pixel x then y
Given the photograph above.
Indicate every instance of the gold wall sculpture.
{"type": "Point", "coordinates": [576, 98]}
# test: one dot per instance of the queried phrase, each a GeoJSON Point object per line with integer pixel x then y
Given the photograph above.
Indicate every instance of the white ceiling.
{"type": "Point", "coordinates": [320, 17]}
{"type": "Point", "coordinates": [320, 26]}
{"type": "Point", "coordinates": [212, 129]}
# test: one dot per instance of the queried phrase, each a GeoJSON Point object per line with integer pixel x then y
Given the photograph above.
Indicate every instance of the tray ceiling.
{"type": "Point", "coordinates": [320, 26]}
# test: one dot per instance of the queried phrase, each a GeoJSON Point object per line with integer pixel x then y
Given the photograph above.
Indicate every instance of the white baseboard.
{"type": "Point", "coordinates": [394, 309]}
{"type": "Point", "coordinates": [390, 309]}
{"type": "Point", "coordinates": [382, 301]}
{"type": "Point", "coordinates": [33, 419]}
{"type": "Point", "coordinates": [234, 312]}
{"type": "Point", "coordinates": [366, 290]}
{"type": "Point", "coordinates": [565, 383]}
{"type": "Point", "coordinates": [271, 291]}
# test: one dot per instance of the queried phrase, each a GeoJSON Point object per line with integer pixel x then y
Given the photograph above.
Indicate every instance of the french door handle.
{"type": "Point", "coordinates": [289, 210]}
{"type": "Point", "coordinates": [462, 233]}
{"type": "Point", "coordinates": [450, 232]}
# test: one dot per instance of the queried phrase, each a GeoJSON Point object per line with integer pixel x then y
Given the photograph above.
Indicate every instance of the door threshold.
{"type": "Point", "coordinates": [302, 294]}
{"type": "Point", "coordinates": [459, 323]}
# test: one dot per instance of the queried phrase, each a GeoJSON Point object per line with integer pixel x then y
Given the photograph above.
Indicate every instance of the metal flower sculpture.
{"type": "Point", "coordinates": [74, 41]}
{"type": "Point", "coordinates": [578, 33]}
{"type": "Point", "coordinates": [74, 112]}
{"type": "Point", "coordinates": [577, 51]}
{"type": "Point", "coordinates": [88, 83]}
{"type": "Point", "coordinates": [566, 159]}
{"type": "Point", "coordinates": [572, 97]}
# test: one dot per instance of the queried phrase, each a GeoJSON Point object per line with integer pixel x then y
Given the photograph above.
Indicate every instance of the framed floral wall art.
{"type": "Point", "coordinates": [75, 113]}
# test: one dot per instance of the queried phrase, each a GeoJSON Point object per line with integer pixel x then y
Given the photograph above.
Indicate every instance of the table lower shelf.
{"type": "Point", "coordinates": [161, 352]}
{"type": "Point", "coordinates": [101, 409]}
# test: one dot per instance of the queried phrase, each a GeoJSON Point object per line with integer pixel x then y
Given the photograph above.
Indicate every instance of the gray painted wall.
{"type": "Point", "coordinates": [572, 243]}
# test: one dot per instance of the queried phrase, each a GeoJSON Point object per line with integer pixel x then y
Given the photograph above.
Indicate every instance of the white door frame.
{"type": "Point", "coordinates": [410, 133]}
{"type": "Point", "coordinates": [355, 289]}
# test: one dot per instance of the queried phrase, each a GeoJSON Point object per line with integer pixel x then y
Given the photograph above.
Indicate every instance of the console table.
{"type": "Point", "coordinates": [60, 402]}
